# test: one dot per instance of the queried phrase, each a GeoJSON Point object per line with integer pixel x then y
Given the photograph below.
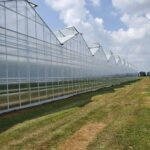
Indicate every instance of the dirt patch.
{"type": "Point", "coordinates": [81, 139]}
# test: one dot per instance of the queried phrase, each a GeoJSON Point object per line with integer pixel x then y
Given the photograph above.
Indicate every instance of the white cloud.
{"type": "Point", "coordinates": [75, 13]}
{"type": "Point", "coordinates": [125, 36]}
{"type": "Point", "coordinates": [148, 16]}
{"type": "Point", "coordinates": [135, 21]}
{"type": "Point", "coordinates": [99, 21]}
{"type": "Point", "coordinates": [132, 6]}
{"type": "Point", "coordinates": [71, 12]}
{"type": "Point", "coordinates": [96, 3]}
{"type": "Point", "coordinates": [132, 43]}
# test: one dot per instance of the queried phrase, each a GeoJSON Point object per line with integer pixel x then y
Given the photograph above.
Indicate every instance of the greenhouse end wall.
{"type": "Point", "coordinates": [35, 67]}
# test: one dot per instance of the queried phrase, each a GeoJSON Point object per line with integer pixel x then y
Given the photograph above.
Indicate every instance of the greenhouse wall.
{"type": "Point", "coordinates": [38, 66]}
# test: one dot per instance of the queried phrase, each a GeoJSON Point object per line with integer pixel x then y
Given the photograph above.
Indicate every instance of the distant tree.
{"type": "Point", "coordinates": [143, 74]}
{"type": "Point", "coordinates": [148, 73]}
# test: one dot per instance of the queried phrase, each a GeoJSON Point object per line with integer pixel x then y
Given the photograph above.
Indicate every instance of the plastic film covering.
{"type": "Point", "coordinates": [38, 66]}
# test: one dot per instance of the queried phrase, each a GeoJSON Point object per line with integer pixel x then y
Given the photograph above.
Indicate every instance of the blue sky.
{"type": "Point", "coordinates": [50, 16]}
{"type": "Point", "coordinates": [109, 14]}
{"type": "Point", "coordinates": [122, 26]}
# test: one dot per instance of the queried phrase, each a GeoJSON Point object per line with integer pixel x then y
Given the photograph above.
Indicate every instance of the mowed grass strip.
{"type": "Point", "coordinates": [130, 130]}
{"type": "Point", "coordinates": [123, 109]}
{"type": "Point", "coordinates": [81, 138]}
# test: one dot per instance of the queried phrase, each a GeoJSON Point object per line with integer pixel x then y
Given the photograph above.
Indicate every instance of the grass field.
{"type": "Point", "coordinates": [115, 118]}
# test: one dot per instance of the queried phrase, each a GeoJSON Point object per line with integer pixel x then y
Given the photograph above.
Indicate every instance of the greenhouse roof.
{"type": "Point", "coordinates": [65, 38]}
{"type": "Point", "coordinates": [66, 34]}
{"type": "Point", "coordinates": [112, 59]}
{"type": "Point", "coordinates": [118, 60]}
{"type": "Point", "coordinates": [94, 47]}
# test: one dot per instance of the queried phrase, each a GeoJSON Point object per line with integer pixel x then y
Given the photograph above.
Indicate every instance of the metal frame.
{"type": "Point", "coordinates": [35, 67]}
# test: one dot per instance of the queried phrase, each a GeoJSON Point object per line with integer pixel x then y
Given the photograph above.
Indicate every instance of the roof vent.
{"type": "Point", "coordinates": [32, 4]}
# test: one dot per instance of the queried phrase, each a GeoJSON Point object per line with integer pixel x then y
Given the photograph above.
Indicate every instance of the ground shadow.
{"type": "Point", "coordinates": [10, 119]}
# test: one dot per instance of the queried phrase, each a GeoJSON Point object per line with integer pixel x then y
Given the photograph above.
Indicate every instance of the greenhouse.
{"type": "Point", "coordinates": [38, 66]}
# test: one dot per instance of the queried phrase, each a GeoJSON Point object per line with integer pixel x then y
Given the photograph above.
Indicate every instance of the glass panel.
{"type": "Point", "coordinates": [53, 39]}
{"type": "Point", "coordinates": [2, 67]}
{"type": "Point", "coordinates": [11, 34]}
{"type": "Point", "coordinates": [2, 49]}
{"type": "Point", "coordinates": [39, 31]}
{"type": "Point", "coordinates": [2, 17]}
{"type": "Point", "coordinates": [33, 69]}
{"type": "Point", "coordinates": [14, 95]}
{"type": "Point", "coordinates": [11, 5]}
{"type": "Point", "coordinates": [31, 28]}
{"type": "Point", "coordinates": [21, 6]}
{"type": "Point", "coordinates": [1, 3]}
{"type": "Point", "coordinates": [3, 102]}
{"type": "Point", "coordinates": [42, 90]}
{"type": "Point", "coordinates": [46, 34]}
{"type": "Point", "coordinates": [31, 12]}
{"type": "Point", "coordinates": [2, 31]}
{"type": "Point", "coordinates": [25, 93]}
{"type": "Point", "coordinates": [34, 92]}
{"type": "Point", "coordinates": [22, 24]}
{"type": "Point", "coordinates": [23, 68]}
{"type": "Point", "coordinates": [11, 20]}
{"type": "Point", "coordinates": [38, 19]}
{"type": "Point", "coordinates": [12, 67]}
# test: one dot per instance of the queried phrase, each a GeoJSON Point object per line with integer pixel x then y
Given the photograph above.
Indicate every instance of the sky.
{"type": "Point", "coordinates": [121, 26]}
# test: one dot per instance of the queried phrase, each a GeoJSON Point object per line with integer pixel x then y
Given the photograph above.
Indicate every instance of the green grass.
{"type": "Point", "coordinates": [125, 109]}
{"type": "Point", "coordinates": [130, 129]}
